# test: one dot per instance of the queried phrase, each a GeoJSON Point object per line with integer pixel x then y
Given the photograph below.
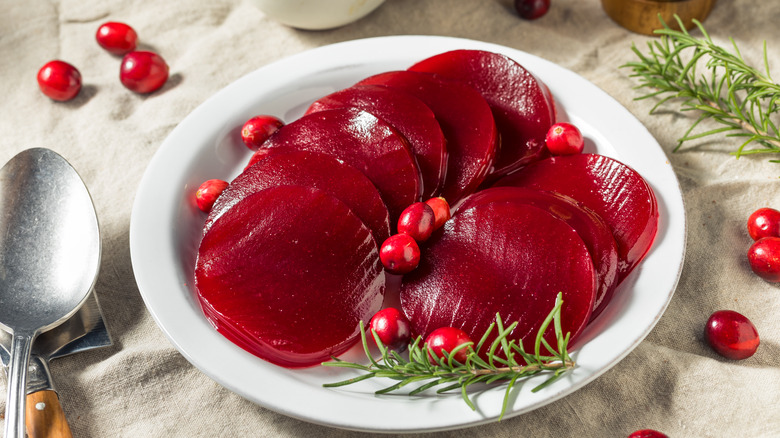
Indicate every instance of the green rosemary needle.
{"type": "Point", "coordinates": [506, 362]}
{"type": "Point", "coordinates": [741, 98]}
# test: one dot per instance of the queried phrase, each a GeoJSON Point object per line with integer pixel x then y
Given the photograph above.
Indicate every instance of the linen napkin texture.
{"type": "Point", "coordinates": [143, 387]}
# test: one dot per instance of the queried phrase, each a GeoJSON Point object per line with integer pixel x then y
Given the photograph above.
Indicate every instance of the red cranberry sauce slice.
{"type": "Point", "coordinates": [613, 190]}
{"type": "Point", "coordinates": [363, 141]}
{"type": "Point", "coordinates": [465, 119]}
{"type": "Point", "coordinates": [520, 107]}
{"type": "Point", "coordinates": [288, 273]}
{"type": "Point", "coordinates": [506, 258]}
{"type": "Point", "coordinates": [284, 166]}
{"type": "Point", "coordinates": [410, 116]}
{"type": "Point", "coordinates": [596, 235]}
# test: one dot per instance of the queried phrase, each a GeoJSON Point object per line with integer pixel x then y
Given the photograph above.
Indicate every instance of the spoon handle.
{"type": "Point", "coordinates": [17, 385]}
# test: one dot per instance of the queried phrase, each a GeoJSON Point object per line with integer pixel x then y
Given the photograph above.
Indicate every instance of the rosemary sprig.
{"type": "Point", "coordinates": [506, 362]}
{"type": "Point", "coordinates": [741, 98]}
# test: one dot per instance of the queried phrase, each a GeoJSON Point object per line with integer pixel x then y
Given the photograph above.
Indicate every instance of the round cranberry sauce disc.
{"type": "Point", "coordinates": [410, 116]}
{"type": "Point", "coordinates": [284, 166]}
{"type": "Point", "coordinates": [465, 119]}
{"type": "Point", "coordinates": [589, 226]}
{"type": "Point", "coordinates": [519, 102]}
{"type": "Point", "coordinates": [613, 190]}
{"type": "Point", "coordinates": [288, 273]}
{"type": "Point", "coordinates": [506, 258]}
{"type": "Point", "coordinates": [363, 141]}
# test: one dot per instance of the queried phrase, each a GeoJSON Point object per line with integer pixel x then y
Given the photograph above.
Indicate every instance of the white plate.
{"type": "Point", "coordinates": [165, 232]}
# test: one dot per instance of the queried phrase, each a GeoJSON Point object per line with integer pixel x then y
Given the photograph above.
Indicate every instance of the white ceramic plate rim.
{"type": "Point", "coordinates": [165, 230]}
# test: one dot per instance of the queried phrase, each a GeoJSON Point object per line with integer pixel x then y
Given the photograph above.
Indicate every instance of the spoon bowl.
{"type": "Point", "coordinates": [49, 258]}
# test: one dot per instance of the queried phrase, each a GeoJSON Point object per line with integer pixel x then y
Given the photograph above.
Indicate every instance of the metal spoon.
{"type": "Point", "coordinates": [49, 258]}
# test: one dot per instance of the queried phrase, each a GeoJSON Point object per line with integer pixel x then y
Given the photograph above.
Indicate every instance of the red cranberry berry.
{"type": "Point", "coordinates": [764, 258]}
{"type": "Point", "coordinates": [447, 339]}
{"type": "Point", "coordinates": [531, 9]}
{"type": "Point", "coordinates": [441, 211]}
{"type": "Point", "coordinates": [143, 72]}
{"type": "Point", "coordinates": [59, 80]}
{"type": "Point", "coordinates": [764, 222]}
{"type": "Point", "coordinates": [257, 130]}
{"type": "Point", "coordinates": [417, 220]}
{"type": "Point", "coordinates": [400, 254]}
{"type": "Point", "coordinates": [117, 38]}
{"type": "Point", "coordinates": [564, 139]}
{"type": "Point", "coordinates": [392, 327]}
{"type": "Point", "coordinates": [208, 192]}
{"type": "Point", "coordinates": [731, 335]}
{"type": "Point", "coordinates": [647, 433]}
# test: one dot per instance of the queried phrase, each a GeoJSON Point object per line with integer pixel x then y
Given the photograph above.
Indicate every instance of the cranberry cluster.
{"type": "Point", "coordinates": [400, 253]}
{"type": "Point", "coordinates": [764, 255]}
{"type": "Point", "coordinates": [731, 334]}
{"type": "Point", "coordinates": [141, 71]}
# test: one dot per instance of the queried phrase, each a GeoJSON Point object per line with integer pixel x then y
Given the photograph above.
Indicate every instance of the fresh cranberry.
{"type": "Point", "coordinates": [392, 327]}
{"type": "Point", "coordinates": [417, 220]}
{"type": "Point", "coordinates": [531, 9]}
{"type": "Point", "coordinates": [59, 80]}
{"type": "Point", "coordinates": [764, 222]}
{"type": "Point", "coordinates": [117, 38]}
{"type": "Point", "coordinates": [564, 139]}
{"type": "Point", "coordinates": [208, 192]}
{"type": "Point", "coordinates": [647, 433]}
{"type": "Point", "coordinates": [441, 211]}
{"type": "Point", "coordinates": [143, 72]}
{"type": "Point", "coordinates": [400, 254]}
{"type": "Point", "coordinates": [257, 130]}
{"type": "Point", "coordinates": [764, 258]}
{"type": "Point", "coordinates": [731, 335]}
{"type": "Point", "coordinates": [447, 338]}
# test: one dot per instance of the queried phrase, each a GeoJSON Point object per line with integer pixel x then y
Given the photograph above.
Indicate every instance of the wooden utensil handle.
{"type": "Point", "coordinates": [45, 418]}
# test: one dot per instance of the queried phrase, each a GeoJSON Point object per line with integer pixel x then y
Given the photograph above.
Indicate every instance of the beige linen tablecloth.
{"type": "Point", "coordinates": [143, 387]}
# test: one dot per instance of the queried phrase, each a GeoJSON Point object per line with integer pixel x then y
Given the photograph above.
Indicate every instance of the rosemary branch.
{"type": "Point", "coordinates": [740, 97]}
{"type": "Point", "coordinates": [506, 362]}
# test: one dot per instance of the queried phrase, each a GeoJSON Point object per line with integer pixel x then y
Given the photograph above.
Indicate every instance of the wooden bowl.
{"type": "Point", "coordinates": [641, 16]}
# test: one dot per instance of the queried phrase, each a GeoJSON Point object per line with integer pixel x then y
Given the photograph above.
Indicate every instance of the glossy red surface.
{"type": "Point", "coordinates": [59, 80]}
{"type": "Point", "coordinates": [764, 258]}
{"type": "Point", "coordinates": [532, 9]}
{"type": "Point", "coordinates": [208, 193]}
{"type": "Point", "coordinates": [731, 335]}
{"type": "Point", "coordinates": [441, 211]}
{"type": "Point", "coordinates": [501, 257]}
{"type": "Point", "coordinates": [418, 221]}
{"type": "Point", "coordinates": [550, 100]}
{"type": "Point", "coordinates": [564, 139]}
{"type": "Point", "coordinates": [117, 38]}
{"type": "Point", "coordinates": [447, 339]}
{"type": "Point", "coordinates": [465, 119]}
{"type": "Point", "coordinates": [647, 433]}
{"type": "Point", "coordinates": [596, 235]}
{"type": "Point", "coordinates": [363, 141]}
{"type": "Point", "coordinates": [410, 116]}
{"type": "Point", "coordinates": [400, 254]}
{"type": "Point", "coordinates": [257, 130]}
{"type": "Point", "coordinates": [520, 107]}
{"type": "Point", "coordinates": [764, 222]}
{"type": "Point", "coordinates": [288, 273]}
{"type": "Point", "coordinates": [284, 166]}
{"type": "Point", "coordinates": [143, 72]}
{"type": "Point", "coordinates": [617, 193]}
{"type": "Point", "coordinates": [392, 327]}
